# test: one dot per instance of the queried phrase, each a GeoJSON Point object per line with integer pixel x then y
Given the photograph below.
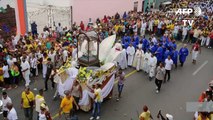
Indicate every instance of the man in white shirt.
{"type": "Point", "coordinates": [160, 24]}
{"type": "Point", "coordinates": [175, 31]}
{"type": "Point", "coordinates": [168, 67]}
{"type": "Point", "coordinates": [12, 114]}
{"type": "Point", "coordinates": [130, 52]}
{"type": "Point", "coordinates": [196, 34]}
{"type": "Point", "coordinates": [10, 61]}
{"type": "Point", "coordinates": [65, 55]}
{"type": "Point", "coordinates": [6, 73]}
{"type": "Point", "coordinates": [184, 33]}
{"type": "Point", "coordinates": [33, 64]}
{"type": "Point", "coordinates": [150, 29]}
{"type": "Point", "coordinates": [154, 40]}
{"type": "Point", "coordinates": [52, 56]}
{"type": "Point", "coordinates": [5, 99]}
{"type": "Point", "coordinates": [24, 56]}
{"type": "Point", "coordinates": [25, 68]}
{"type": "Point", "coordinates": [143, 28]}
{"type": "Point", "coordinates": [74, 53]}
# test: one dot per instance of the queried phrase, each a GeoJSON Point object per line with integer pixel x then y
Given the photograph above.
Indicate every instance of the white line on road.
{"type": "Point", "coordinates": [200, 67]}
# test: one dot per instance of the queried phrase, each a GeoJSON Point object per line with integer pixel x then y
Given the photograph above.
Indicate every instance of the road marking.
{"type": "Point", "coordinates": [126, 76]}
{"type": "Point", "coordinates": [200, 67]}
{"type": "Point", "coordinates": [129, 74]}
{"type": "Point", "coordinates": [55, 116]}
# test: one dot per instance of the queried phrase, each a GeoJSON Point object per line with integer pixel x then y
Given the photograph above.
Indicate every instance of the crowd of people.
{"type": "Point", "coordinates": [205, 112]}
{"type": "Point", "coordinates": [25, 57]}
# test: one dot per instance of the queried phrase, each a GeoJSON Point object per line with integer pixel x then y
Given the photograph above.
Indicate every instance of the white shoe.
{"type": "Point", "coordinates": [157, 91]}
{"type": "Point", "coordinates": [91, 118]}
{"type": "Point", "coordinates": [156, 88]}
{"type": "Point", "coordinates": [98, 117]}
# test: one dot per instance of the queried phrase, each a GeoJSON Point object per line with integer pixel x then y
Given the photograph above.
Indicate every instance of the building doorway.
{"type": "Point", "coordinates": [136, 6]}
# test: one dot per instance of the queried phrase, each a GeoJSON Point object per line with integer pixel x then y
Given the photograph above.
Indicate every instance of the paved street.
{"type": "Point", "coordinates": [186, 85]}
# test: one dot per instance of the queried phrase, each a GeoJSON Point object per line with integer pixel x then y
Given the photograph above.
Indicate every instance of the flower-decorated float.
{"type": "Point", "coordinates": [92, 68]}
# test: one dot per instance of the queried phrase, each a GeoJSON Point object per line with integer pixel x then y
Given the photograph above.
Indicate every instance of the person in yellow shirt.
{"type": "Point", "coordinates": [116, 27]}
{"type": "Point", "coordinates": [1, 76]}
{"type": "Point", "coordinates": [145, 115]}
{"type": "Point", "coordinates": [66, 106]}
{"type": "Point", "coordinates": [97, 102]}
{"type": "Point", "coordinates": [28, 103]}
{"type": "Point", "coordinates": [172, 26]}
{"type": "Point", "coordinates": [203, 116]}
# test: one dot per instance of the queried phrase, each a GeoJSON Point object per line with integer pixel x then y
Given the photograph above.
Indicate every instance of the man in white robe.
{"type": "Point", "coordinates": [138, 59]}
{"type": "Point", "coordinates": [152, 66]}
{"type": "Point", "coordinates": [25, 69]}
{"type": "Point", "coordinates": [130, 52]}
{"type": "Point", "coordinates": [147, 56]}
{"type": "Point", "coordinates": [123, 59]}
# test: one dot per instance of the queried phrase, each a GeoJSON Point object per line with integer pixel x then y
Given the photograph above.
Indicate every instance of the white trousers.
{"type": "Point", "coordinates": [207, 41]}
{"type": "Point", "coordinates": [194, 55]}
{"type": "Point", "coordinates": [203, 40]}
{"type": "Point", "coordinates": [150, 28]}
{"type": "Point", "coordinates": [143, 32]}
{"type": "Point", "coordinates": [26, 76]}
{"type": "Point", "coordinates": [184, 37]}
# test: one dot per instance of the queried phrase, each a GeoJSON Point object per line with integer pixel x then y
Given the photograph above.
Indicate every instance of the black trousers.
{"type": "Point", "coordinates": [53, 83]}
{"type": "Point", "coordinates": [181, 64]}
{"type": "Point", "coordinates": [167, 74]}
{"type": "Point", "coordinates": [33, 71]}
{"type": "Point", "coordinates": [46, 81]}
{"type": "Point", "coordinates": [158, 83]}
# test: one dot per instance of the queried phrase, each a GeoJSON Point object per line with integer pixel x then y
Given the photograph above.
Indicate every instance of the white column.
{"type": "Point", "coordinates": [17, 18]}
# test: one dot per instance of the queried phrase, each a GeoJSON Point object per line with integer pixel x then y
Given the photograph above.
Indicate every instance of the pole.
{"type": "Point", "coordinates": [71, 16]}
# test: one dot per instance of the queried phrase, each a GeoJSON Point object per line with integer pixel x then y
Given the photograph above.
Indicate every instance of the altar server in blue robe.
{"type": "Point", "coordinates": [126, 38]}
{"type": "Point", "coordinates": [166, 54]}
{"type": "Point", "coordinates": [159, 54]}
{"type": "Point", "coordinates": [175, 57]}
{"type": "Point", "coordinates": [136, 38]}
{"type": "Point", "coordinates": [145, 44]}
{"type": "Point", "coordinates": [183, 53]}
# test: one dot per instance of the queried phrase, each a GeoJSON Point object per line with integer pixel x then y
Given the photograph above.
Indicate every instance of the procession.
{"type": "Point", "coordinates": [105, 68]}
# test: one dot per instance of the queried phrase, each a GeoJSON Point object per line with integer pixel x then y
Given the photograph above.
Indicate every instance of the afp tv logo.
{"type": "Point", "coordinates": [196, 11]}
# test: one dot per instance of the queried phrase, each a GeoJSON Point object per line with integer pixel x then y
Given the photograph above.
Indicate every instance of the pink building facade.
{"type": "Point", "coordinates": [85, 9]}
